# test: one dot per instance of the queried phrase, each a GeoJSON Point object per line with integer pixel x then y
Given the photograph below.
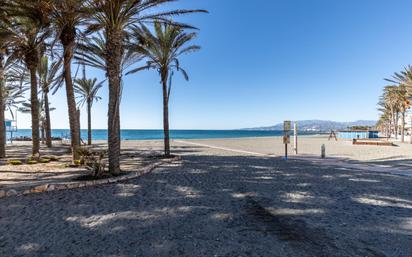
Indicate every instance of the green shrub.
{"type": "Point", "coordinates": [15, 162]}
{"type": "Point", "coordinates": [44, 160]}
{"type": "Point", "coordinates": [77, 162]}
{"type": "Point", "coordinates": [31, 162]}
{"type": "Point", "coordinates": [51, 158]}
{"type": "Point", "coordinates": [94, 161]}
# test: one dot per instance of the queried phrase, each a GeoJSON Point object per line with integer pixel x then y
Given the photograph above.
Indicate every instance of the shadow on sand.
{"type": "Point", "coordinates": [209, 205]}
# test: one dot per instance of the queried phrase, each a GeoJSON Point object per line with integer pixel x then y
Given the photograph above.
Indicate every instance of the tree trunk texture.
{"type": "Point", "coordinates": [166, 116]}
{"type": "Point", "coordinates": [71, 103]}
{"type": "Point", "coordinates": [35, 122]}
{"type": "Point", "coordinates": [397, 125]}
{"type": "Point", "coordinates": [42, 133]}
{"type": "Point", "coordinates": [114, 47]}
{"type": "Point", "coordinates": [47, 125]}
{"type": "Point", "coordinates": [394, 125]}
{"type": "Point", "coordinates": [2, 118]}
{"type": "Point", "coordinates": [403, 128]}
{"type": "Point", "coordinates": [89, 122]}
{"type": "Point", "coordinates": [410, 134]}
{"type": "Point", "coordinates": [78, 126]}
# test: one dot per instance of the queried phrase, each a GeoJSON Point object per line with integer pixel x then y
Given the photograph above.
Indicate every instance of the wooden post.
{"type": "Point", "coordinates": [295, 137]}
{"type": "Point", "coordinates": [323, 151]}
{"type": "Point", "coordinates": [286, 136]}
{"type": "Point", "coordinates": [286, 151]}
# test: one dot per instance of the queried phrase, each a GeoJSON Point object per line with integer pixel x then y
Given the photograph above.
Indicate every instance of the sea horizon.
{"type": "Point", "coordinates": [155, 134]}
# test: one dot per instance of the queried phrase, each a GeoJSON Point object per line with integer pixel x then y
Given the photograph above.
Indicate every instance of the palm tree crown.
{"type": "Point", "coordinates": [87, 90]}
{"type": "Point", "coordinates": [163, 49]}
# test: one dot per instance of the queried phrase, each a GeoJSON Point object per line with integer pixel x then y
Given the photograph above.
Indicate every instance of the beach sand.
{"type": "Point", "coordinates": [221, 202]}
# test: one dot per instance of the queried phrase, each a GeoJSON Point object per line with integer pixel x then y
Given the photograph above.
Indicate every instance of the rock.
{"type": "Point", "coordinates": [2, 193]}
{"type": "Point", "coordinates": [61, 187]}
{"type": "Point", "coordinates": [72, 186]}
{"type": "Point", "coordinates": [113, 180]}
{"type": "Point", "coordinates": [11, 192]}
{"type": "Point", "coordinates": [40, 189]}
{"type": "Point", "coordinates": [90, 183]}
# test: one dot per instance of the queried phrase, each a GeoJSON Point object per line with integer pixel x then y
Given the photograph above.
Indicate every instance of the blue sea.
{"type": "Point", "coordinates": [137, 134]}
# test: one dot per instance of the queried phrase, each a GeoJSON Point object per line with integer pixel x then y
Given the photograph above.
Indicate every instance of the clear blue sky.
{"type": "Point", "coordinates": [264, 61]}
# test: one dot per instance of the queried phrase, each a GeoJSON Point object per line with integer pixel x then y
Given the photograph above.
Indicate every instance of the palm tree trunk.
{"type": "Point", "coordinates": [403, 127]}
{"type": "Point", "coordinates": [410, 133]}
{"type": "Point", "coordinates": [35, 122]}
{"type": "Point", "coordinates": [166, 116]}
{"type": "Point", "coordinates": [2, 119]}
{"type": "Point", "coordinates": [114, 128]}
{"type": "Point", "coordinates": [89, 122]}
{"type": "Point", "coordinates": [396, 125]}
{"type": "Point", "coordinates": [78, 125]}
{"type": "Point", "coordinates": [114, 48]}
{"type": "Point", "coordinates": [71, 103]}
{"type": "Point", "coordinates": [47, 124]}
{"type": "Point", "coordinates": [42, 133]}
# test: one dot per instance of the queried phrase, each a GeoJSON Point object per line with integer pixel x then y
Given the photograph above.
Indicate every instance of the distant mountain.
{"type": "Point", "coordinates": [320, 125]}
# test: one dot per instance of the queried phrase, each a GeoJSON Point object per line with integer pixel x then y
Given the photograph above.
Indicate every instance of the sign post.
{"type": "Point", "coordinates": [286, 136]}
{"type": "Point", "coordinates": [295, 137]}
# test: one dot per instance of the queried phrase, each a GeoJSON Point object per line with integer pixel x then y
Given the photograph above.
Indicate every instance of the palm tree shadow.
{"type": "Point", "coordinates": [233, 204]}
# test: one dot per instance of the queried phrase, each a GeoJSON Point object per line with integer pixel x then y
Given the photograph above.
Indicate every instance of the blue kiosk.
{"type": "Point", "coordinates": [11, 126]}
{"type": "Point", "coordinates": [358, 134]}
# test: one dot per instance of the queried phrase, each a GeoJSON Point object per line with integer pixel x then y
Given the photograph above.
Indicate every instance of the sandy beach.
{"type": "Point", "coordinates": [229, 199]}
{"type": "Point", "coordinates": [311, 146]}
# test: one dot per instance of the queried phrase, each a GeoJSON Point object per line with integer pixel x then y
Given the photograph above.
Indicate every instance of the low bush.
{"type": "Point", "coordinates": [15, 162]}
{"type": "Point", "coordinates": [93, 161]}
{"type": "Point", "coordinates": [44, 160]}
{"type": "Point", "coordinates": [51, 158]}
{"type": "Point", "coordinates": [31, 162]}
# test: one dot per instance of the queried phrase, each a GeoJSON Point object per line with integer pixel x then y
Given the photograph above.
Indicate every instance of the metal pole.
{"type": "Point", "coordinates": [295, 134]}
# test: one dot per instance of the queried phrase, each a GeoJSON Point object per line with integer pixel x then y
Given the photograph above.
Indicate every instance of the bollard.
{"type": "Point", "coordinates": [295, 137]}
{"type": "Point", "coordinates": [323, 151]}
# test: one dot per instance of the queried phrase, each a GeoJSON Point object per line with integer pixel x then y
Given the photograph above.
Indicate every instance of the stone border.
{"type": "Point", "coordinates": [72, 185]}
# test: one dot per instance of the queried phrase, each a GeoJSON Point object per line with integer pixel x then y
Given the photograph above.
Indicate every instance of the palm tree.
{"type": "Point", "coordinates": [2, 118]}
{"type": "Point", "coordinates": [390, 102]}
{"type": "Point", "coordinates": [92, 52]}
{"type": "Point", "coordinates": [14, 87]}
{"type": "Point", "coordinates": [87, 90]}
{"type": "Point", "coordinates": [115, 18]}
{"type": "Point", "coordinates": [48, 78]}
{"type": "Point", "coordinates": [163, 49]}
{"type": "Point", "coordinates": [68, 15]}
{"type": "Point", "coordinates": [403, 93]}
{"type": "Point", "coordinates": [26, 108]}
{"type": "Point", "coordinates": [402, 78]}
{"type": "Point", "coordinates": [404, 103]}
{"type": "Point", "coordinates": [13, 97]}
{"type": "Point", "coordinates": [3, 53]}
{"type": "Point", "coordinates": [26, 35]}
